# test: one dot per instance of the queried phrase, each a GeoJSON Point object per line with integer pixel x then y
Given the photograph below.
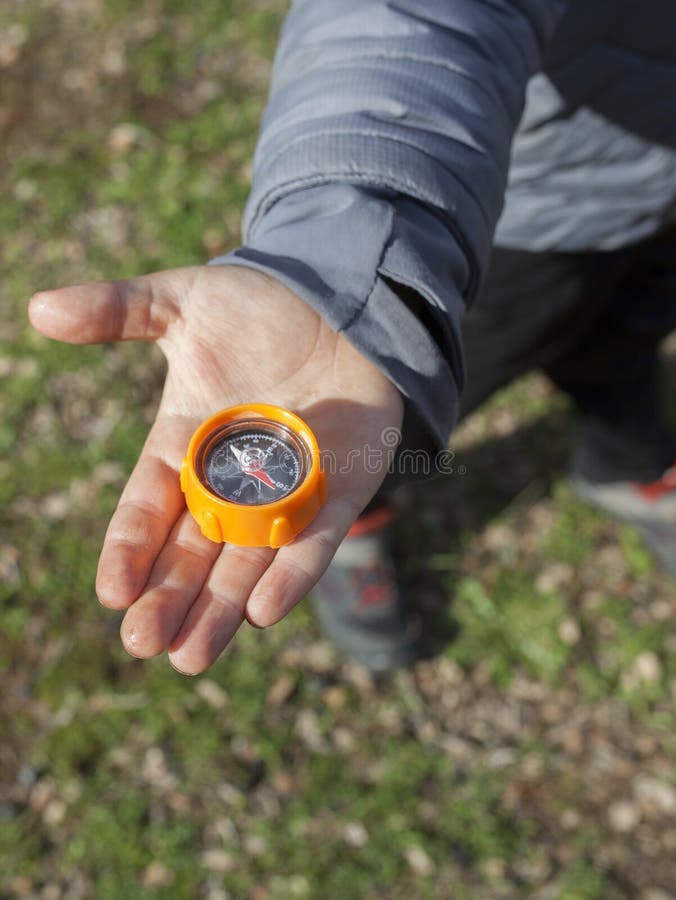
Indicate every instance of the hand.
{"type": "Point", "coordinates": [230, 335]}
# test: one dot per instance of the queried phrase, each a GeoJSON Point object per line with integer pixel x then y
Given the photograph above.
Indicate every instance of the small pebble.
{"type": "Point", "coordinates": [623, 816]}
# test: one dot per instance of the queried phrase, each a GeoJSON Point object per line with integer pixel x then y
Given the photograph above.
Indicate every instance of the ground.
{"type": "Point", "coordinates": [531, 755]}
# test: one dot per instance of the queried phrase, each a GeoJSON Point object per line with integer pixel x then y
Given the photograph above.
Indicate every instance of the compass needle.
{"type": "Point", "coordinates": [262, 477]}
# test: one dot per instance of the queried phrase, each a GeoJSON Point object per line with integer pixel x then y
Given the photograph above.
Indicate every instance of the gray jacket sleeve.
{"type": "Point", "coordinates": [380, 171]}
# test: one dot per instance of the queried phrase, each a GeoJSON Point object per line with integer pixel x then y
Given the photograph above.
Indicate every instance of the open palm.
{"type": "Point", "coordinates": [230, 335]}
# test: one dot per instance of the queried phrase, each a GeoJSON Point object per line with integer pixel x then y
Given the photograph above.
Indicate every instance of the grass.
{"type": "Point", "coordinates": [284, 772]}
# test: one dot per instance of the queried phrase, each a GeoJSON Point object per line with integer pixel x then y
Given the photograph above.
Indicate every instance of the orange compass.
{"type": "Point", "coordinates": [252, 476]}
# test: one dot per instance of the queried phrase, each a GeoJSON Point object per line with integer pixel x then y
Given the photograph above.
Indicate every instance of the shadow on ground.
{"type": "Point", "coordinates": [490, 478]}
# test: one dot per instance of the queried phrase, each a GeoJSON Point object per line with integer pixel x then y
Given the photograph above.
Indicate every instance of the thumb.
{"type": "Point", "coordinates": [136, 309]}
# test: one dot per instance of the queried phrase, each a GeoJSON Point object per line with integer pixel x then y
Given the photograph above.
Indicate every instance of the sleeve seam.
{"type": "Point", "coordinates": [374, 133]}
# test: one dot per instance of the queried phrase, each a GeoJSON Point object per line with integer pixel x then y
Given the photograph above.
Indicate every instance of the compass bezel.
{"type": "Point", "coordinates": [272, 524]}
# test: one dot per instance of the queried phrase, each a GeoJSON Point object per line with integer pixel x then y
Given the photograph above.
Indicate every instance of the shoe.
{"type": "Point", "coordinates": [635, 501]}
{"type": "Point", "coordinates": [649, 506]}
{"type": "Point", "coordinates": [358, 604]}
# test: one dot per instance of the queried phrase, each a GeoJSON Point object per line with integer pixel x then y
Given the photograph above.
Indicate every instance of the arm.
{"type": "Point", "coordinates": [382, 162]}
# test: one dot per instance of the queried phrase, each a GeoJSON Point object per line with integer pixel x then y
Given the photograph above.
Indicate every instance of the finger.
{"type": "Point", "coordinates": [149, 506]}
{"type": "Point", "coordinates": [219, 610]}
{"type": "Point", "coordinates": [175, 580]}
{"type": "Point", "coordinates": [137, 309]}
{"type": "Point", "coordinates": [298, 566]}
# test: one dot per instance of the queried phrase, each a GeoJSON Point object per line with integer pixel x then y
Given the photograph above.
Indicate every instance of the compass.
{"type": "Point", "coordinates": [252, 476]}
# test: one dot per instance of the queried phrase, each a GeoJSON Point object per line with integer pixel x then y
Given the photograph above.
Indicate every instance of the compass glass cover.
{"type": "Point", "coordinates": [252, 462]}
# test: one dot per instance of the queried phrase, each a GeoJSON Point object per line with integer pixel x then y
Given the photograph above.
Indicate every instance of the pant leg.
{"type": "Point", "coordinates": [593, 322]}
{"type": "Point", "coordinates": [615, 376]}
{"type": "Point", "coordinates": [533, 309]}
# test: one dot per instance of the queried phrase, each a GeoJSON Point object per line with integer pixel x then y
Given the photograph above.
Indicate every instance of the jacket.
{"type": "Point", "coordinates": [397, 130]}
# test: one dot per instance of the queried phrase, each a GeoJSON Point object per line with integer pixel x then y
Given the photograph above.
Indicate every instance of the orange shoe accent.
{"type": "Point", "coordinates": [655, 490]}
{"type": "Point", "coordinates": [373, 594]}
{"type": "Point", "coordinates": [373, 521]}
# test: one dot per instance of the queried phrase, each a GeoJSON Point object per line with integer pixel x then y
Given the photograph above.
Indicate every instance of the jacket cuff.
{"type": "Point", "coordinates": [387, 273]}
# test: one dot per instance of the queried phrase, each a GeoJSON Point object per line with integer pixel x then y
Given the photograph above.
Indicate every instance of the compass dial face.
{"type": "Point", "coordinates": [252, 462]}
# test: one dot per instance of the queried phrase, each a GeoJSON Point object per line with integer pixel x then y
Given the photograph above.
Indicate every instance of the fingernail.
{"type": "Point", "coordinates": [177, 667]}
{"type": "Point", "coordinates": [259, 612]}
{"type": "Point", "coordinates": [247, 616]}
